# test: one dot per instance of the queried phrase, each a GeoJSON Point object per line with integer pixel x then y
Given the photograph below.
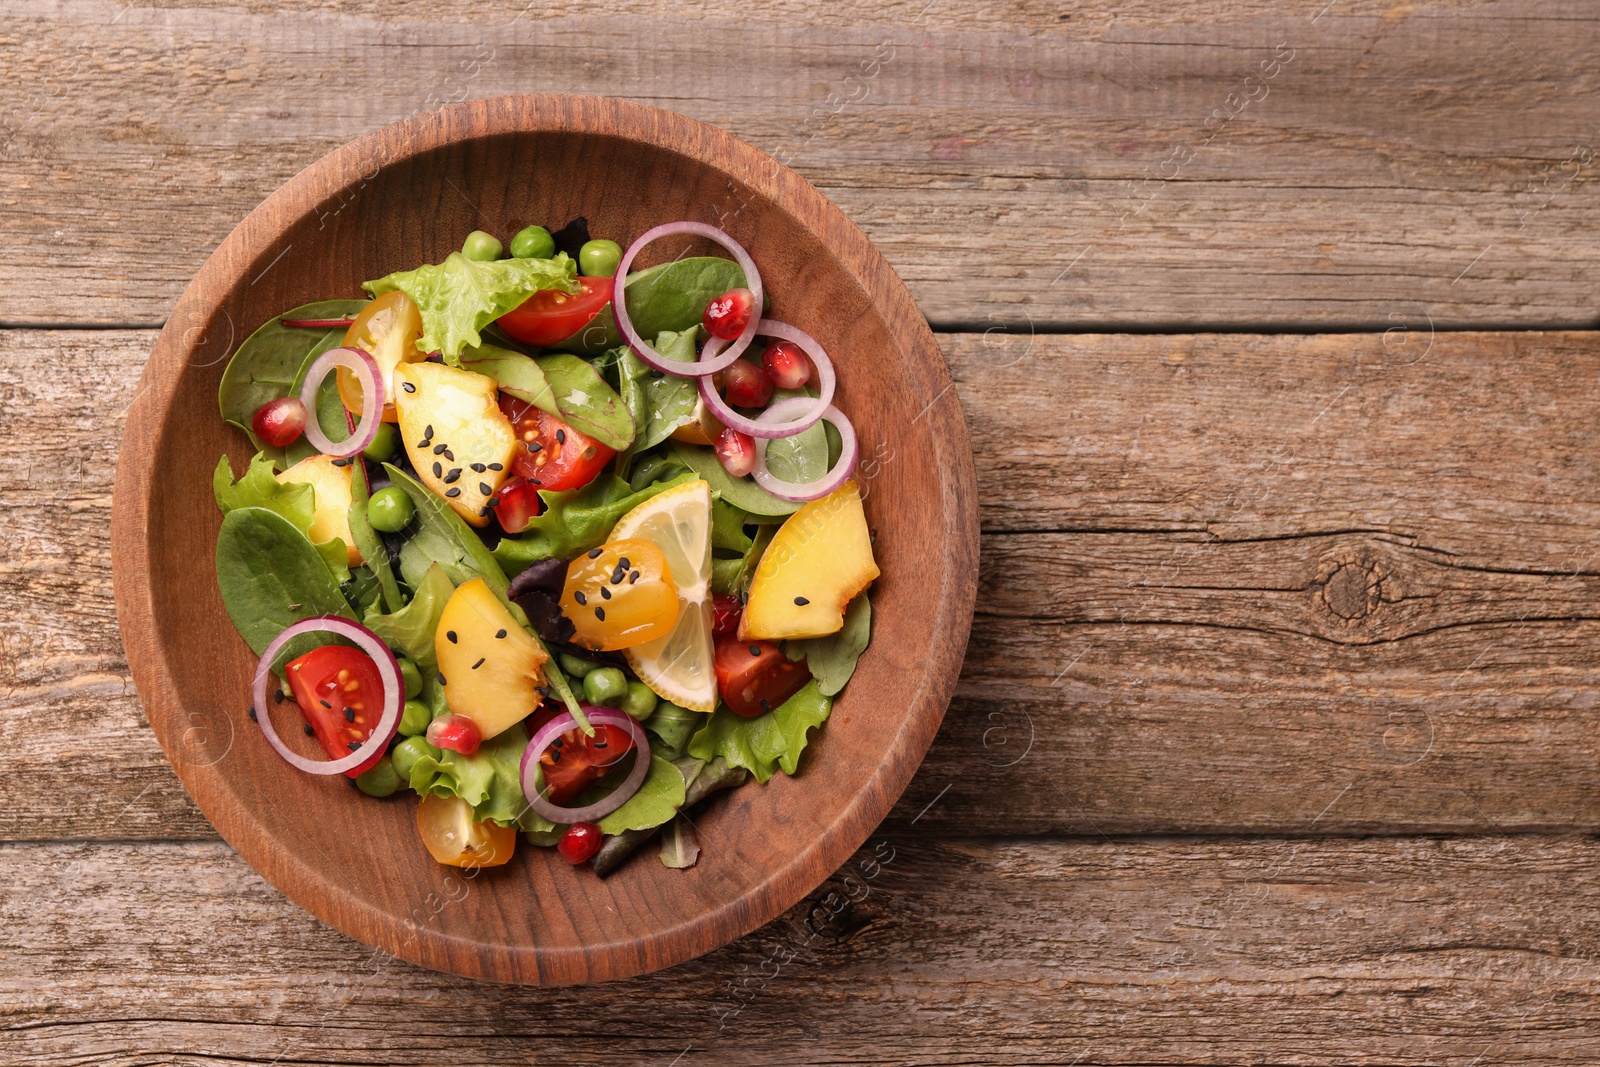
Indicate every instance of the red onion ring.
{"type": "Point", "coordinates": [837, 476]}
{"type": "Point", "coordinates": [619, 301]}
{"type": "Point", "coordinates": [365, 368]}
{"type": "Point", "coordinates": [760, 427]}
{"type": "Point", "coordinates": [394, 689]}
{"type": "Point", "coordinates": [600, 808]}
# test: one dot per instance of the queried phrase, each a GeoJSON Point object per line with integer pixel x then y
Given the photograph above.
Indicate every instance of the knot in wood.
{"type": "Point", "coordinates": [1352, 589]}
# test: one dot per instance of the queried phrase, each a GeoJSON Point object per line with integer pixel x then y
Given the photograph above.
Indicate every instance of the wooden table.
{"type": "Point", "coordinates": [1276, 739]}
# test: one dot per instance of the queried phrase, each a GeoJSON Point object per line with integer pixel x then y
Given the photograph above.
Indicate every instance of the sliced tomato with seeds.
{"type": "Point", "coordinates": [755, 676]}
{"type": "Point", "coordinates": [574, 762]}
{"type": "Point", "coordinates": [550, 316]}
{"type": "Point", "coordinates": [551, 454]}
{"type": "Point", "coordinates": [340, 693]}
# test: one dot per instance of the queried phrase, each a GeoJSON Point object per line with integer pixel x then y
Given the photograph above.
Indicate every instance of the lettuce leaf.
{"type": "Point", "coordinates": [832, 659]}
{"type": "Point", "coordinates": [411, 629]}
{"type": "Point", "coordinates": [258, 487]}
{"type": "Point", "coordinates": [672, 726]}
{"type": "Point", "coordinates": [490, 780]}
{"type": "Point", "coordinates": [576, 520]}
{"type": "Point", "coordinates": [766, 742]}
{"type": "Point", "coordinates": [461, 296]}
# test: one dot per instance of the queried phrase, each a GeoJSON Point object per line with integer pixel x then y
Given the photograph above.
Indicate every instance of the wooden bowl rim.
{"type": "Point", "coordinates": [335, 174]}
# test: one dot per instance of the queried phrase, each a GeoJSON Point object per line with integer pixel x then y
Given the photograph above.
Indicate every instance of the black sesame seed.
{"type": "Point", "coordinates": [483, 487]}
{"type": "Point", "coordinates": [441, 679]}
{"type": "Point", "coordinates": [764, 705]}
{"type": "Point", "coordinates": [600, 613]}
{"type": "Point", "coordinates": [658, 374]}
{"type": "Point", "coordinates": [307, 728]}
{"type": "Point", "coordinates": [623, 563]}
{"type": "Point", "coordinates": [438, 469]}
{"type": "Point", "coordinates": [449, 455]}
{"type": "Point", "coordinates": [251, 711]}
{"type": "Point", "coordinates": [634, 577]}
{"type": "Point", "coordinates": [427, 431]}
{"type": "Point", "coordinates": [605, 594]}
{"type": "Point", "coordinates": [438, 450]}
{"type": "Point", "coordinates": [561, 437]}
{"type": "Point", "coordinates": [425, 442]}
{"type": "Point", "coordinates": [535, 481]}
{"type": "Point", "coordinates": [599, 741]}
{"type": "Point", "coordinates": [479, 467]}
{"type": "Point", "coordinates": [455, 472]}
{"type": "Point", "coordinates": [325, 704]}
{"type": "Point", "coordinates": [500, 634]}
{"type": "Point", "coordinates": [497, 466]}
{"type": "Point", "coordinates": [408, 387]}
{"type": "Point", "coordinates": [478, 664]}
{"type": "Point", "coordinates": [341, 463]}
{"type": "Point", "coordinates": [354, 745]}
{"type": "Point", "coordinates": [277, 696]}
{"type": "Point", "coordinates": [801, 601]}
{"type": "Point", "coordinates": [544, 691]}
{"type": "Point", "coordinates": [451, 634]}
{"type": "Point", "coordinates": [617, 575]}
{"type": "Point", "coordinates": [580, 597]}
{"type": "Point", "coordinates": [453, 492]}
{"type": "Point", "coordinates": [595, 554]}
{"type": "Point", "coordinates": [555, 754]}
{"type": "Point", "coordinates": [535, 446]}
{"type": "Point", "coordinates": [755, 650]}
{"type": "Point", "coordinates": [349, 714]}
{"type": "Point", "coordinates": [494, 502]}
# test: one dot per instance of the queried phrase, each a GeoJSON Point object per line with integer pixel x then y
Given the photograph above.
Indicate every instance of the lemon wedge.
{"type": "Point", "coordinates": [679, 667]}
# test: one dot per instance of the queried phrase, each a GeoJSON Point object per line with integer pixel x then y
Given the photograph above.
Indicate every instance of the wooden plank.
{"type": "Point", "coordinates": [1401, 951]}
{"type": "Point", "coordinates": [1374, 579]}
{"type": "Point", "coordinates": [1109, 165]}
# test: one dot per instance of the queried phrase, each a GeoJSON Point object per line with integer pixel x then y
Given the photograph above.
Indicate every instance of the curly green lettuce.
{"type": "Point", "coordinates": [461, 296]}
{"type": "Point", "coordinates": [767, 742]}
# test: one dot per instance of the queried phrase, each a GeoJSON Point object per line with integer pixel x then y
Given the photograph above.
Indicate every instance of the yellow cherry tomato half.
{"type": "Point", "coordinates": [455, 839]}
{"type": "Point", "coordinates": [389, 328]}
{"type": "Point", "coordinates": [620, 595]}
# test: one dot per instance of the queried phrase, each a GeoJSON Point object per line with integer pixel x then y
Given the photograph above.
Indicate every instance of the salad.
{"type": "Point", "coordinates": [560, 547]}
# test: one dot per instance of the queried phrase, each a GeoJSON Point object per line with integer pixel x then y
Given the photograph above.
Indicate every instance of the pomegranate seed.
{"type": "Point", "coordinates": [746, 385]}
{"type": "Point", "coordinates": [580, 842]}
{"type": "Point", "coordinates": [455, 732]}
{"type": "Point", "coordinates": [519, 503]}
{"type": "Point", "coordinates": [737, 452]}
{"type": "Point", "coordinates": [280, 422]}
{"type": "Point", "coordinates": [787, 365]}
{"type": "Point", "coordinates": [725, 612]}
{"type": "Point", "coordinates": [727, 315]}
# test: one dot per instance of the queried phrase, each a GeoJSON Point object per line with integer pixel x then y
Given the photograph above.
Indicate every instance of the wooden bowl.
{"type": "Point", "coordinates": [408, 194]}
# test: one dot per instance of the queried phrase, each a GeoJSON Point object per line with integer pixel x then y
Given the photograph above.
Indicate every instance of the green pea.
{"type": "Point", "coordinates": [384, 445]}
{"type": "Point", "coordinates": [381, 780]}
{"type": "Point", "coordinates": [605, 685]}
{"type": "Point", "coordinates": [407, 754]}
{"type": "Point", "coordinates": [414, 718]}
{"type": "Point", "coordinates": [533, 242]}
{"type": "Point", "coordinates": [411, 675]}
{"type": "Point", "coordinates": [639, 701]}
{"type": "Point", "coordinates": [483, 247]}
{"type": "Point", "coordinates": [574, 667]}
{"type": "Point", "coordinates": [599, 259]}
{"type": "Point", "coordinates": [390, 509]}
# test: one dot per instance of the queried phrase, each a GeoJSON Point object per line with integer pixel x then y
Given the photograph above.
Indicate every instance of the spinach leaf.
{"type": "Point", "coordinates": [461, 296]}
{"type": "Point", "coordinates": [444, 538]}
{"type": "Point", "coordinates": [740, 492]}
{"type": "Point", "coordinates": [671, 296]}
{"type": "Point", "coordinates": [514, 372]}
{"type": "Point", "coordinates": [727, 527]}
{"type": "Point", "coordinates": [832, 659]}
{"type": "Point", "coordinates": [680, 845]}
{"type": "Point", "coordinates": [587, 401]}
{"type": "Point", "coordinates": [657, 800]}
{"type": "Point", "coordinates": [767, 742]}
{"type": "Point", "coordinates": [367, 541]}
{"type": "Point", "coordinates": [271, 576]}
{"type": "Point", "coordinates": [362, 590]}
{"type": "Point", "coordinates": [672, 726]}
{"type": "Point", "coordinates": [576, 520]}
{"type": "Point", "coordinates": [659, 405]}
{"type": "Point", "coordinates": [257, 488]}
{"type": "Point", "coordinates": [272, 362]}
{"type": "Point", "coordinates": [801, 457]}
{"type": "Point", "coordinates": [411, 628]}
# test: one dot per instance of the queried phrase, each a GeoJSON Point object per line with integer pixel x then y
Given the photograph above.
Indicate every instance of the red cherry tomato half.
{"type": "Point", "coordinates": [340, 693]}
{"type": "Point", "coordinates": [579, 844]}
{"type": "Point", "coordinates": [737, 452]}
{"type": "Point", "coordinates": [786, 365]}
{"type": "Point", "coordinates": [455, 732]}
{"type": "Point", "coordinates": [755, 676]}
{"type": "Point", "coordinates": [746, 385]}
{"type": "Point", "coordinates": [519, 504]}
{"type": "Point", "coordinates": [549, 316]}
{"type": "Point", "coordinates": [280, 422]}
{"type": "Point", "coordinates": [552, 455]}
{"type": "Point", "coordinates": [725, 612]}
{"type": "Point", "coordinates": [727, 315]}
{"type": "Point", "coordinates": [574, 762]}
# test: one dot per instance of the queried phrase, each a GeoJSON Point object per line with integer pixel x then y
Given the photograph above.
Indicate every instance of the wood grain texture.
{"type": "Point", "coordinates": [1273, 593]}
{"type": "Point", "coordinates": [1402, 162]}
{"type": "Point", "coordinates": [1392, 951]}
